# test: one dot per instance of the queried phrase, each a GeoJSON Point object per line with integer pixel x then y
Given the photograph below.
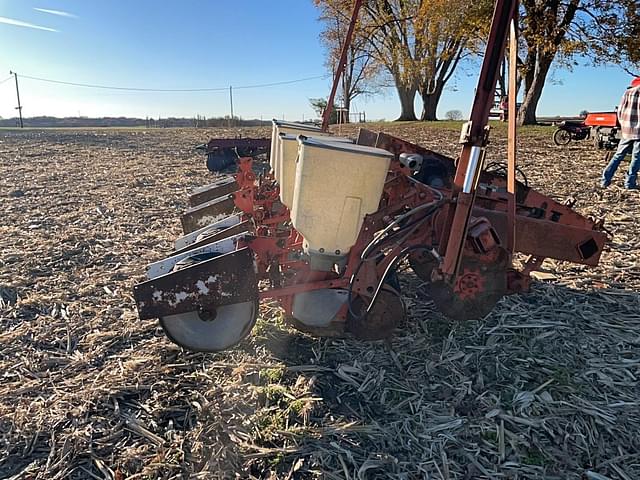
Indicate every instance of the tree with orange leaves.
{"type": "Point", "coordinates": [418, 44]}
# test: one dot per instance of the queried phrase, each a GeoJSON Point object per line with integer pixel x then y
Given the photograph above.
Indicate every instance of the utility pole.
{"type": "Point", "coordinates": [19, 107]}
{"type": "Point", "coordinates": [231, 104]}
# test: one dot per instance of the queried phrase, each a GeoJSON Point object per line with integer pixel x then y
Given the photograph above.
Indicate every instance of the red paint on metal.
{"type": "Point", "coordinates": [458, 215]}
{"type": "Point", "coordinates": [326, 116]}
{"type": "Point", "coordinates": [601, 119]}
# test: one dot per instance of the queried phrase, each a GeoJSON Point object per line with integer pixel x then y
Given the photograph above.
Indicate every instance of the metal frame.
{"type": "Point", "coordinates": [470, 225]}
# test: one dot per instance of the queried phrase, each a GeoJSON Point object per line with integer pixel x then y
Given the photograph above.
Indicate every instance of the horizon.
{"type": "Point", "coordinates": [199, 46]}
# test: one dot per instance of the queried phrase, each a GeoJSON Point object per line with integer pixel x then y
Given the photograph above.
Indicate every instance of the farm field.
{"type": "Point", "coordinates": [546, 386]}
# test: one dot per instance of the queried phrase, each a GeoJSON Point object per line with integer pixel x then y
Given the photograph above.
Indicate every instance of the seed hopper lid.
{"type": "Point", "coordinates": [325, 138]}
{"type": "Point", "coordinates": [297, 126]}
{"type": "Point", "coordinates": [343, 147]}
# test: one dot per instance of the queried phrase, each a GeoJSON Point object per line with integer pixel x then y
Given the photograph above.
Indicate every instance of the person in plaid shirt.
{"type": "Point", "coordinates": [629, 118]}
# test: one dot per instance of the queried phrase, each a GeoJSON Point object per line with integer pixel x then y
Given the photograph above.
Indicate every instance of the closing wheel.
{"type": "Point", "coordinates": [210, 330]}
{"type": "Point", "coordinates": [475, 293]}
{"type": "Point", "coordinates": [385, 315]}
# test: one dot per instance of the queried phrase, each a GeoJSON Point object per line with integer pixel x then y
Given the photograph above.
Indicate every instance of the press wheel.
{"type": "Point", "coordinates": [210, 330]}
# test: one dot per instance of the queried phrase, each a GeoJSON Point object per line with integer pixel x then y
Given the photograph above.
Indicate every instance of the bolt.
{"type": "Point", "coordinates": [207, 315]}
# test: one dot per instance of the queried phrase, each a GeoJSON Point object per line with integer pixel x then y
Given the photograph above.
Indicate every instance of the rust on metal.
{"type": "Point", "coordinates": [543, 238]}
{"type": "Point", "coordinates": [434, 164]}
{"type": "Point", "coordinates": [367, 137]}
{"type": "Point", "coordinates": [223, 280]}
{"type": "Point", "coordinates": [477, 288]}
{"type": "Point", "coordinates": [511, 137]}
{"type": "Point", "coordinates": [474, 139]}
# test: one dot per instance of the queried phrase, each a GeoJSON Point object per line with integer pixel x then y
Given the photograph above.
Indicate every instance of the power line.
{"type": "Point", "coordinates": [135, 89]}
{"type": "Point", "coordinates": [286, 82]}
{"type": "Point", "coordinates": [6, 79]}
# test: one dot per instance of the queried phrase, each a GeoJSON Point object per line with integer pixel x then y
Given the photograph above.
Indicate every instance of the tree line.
{"type": "Point", "coordinates": [417, 46]}
{"type": "Point", "coordinates": [199, 121]}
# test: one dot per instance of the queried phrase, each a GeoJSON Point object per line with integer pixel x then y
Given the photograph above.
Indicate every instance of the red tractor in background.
{"type": "Point", "coordinates": [605, 128]}
{"type": "Point", "coordinates": [602, 127]}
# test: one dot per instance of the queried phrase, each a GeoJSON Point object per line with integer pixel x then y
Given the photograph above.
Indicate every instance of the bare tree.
{"type": "Point", "coordinates": [362, 73]}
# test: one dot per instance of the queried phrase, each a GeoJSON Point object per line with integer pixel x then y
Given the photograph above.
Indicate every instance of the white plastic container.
{"type": "Point", "coordinates": [287, 156]}
{"type": "Point", "coordinates": [280, 126]}
{"type": "Point", "coordinates": [336, 185]}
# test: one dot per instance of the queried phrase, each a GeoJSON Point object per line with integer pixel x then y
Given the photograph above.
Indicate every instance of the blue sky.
{"type": "Point", "coordinates": [208, 44]}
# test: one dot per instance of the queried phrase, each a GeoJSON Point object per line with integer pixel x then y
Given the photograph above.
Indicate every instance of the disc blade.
{"type": "Point", "coordinates": [385, 315]}
{"type": "Point", "coordinates": [477, 289]}
{"type": "Point", "coordinates": [211, 331]}
{"type": "Point", "coordinates": [318, 308]}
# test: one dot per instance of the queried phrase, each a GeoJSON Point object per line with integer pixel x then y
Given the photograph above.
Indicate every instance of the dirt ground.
{"type": "Point", "coordinates": [546, 386]}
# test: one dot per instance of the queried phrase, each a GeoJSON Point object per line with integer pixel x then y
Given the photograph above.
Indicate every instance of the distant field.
{"type": "Point", "coordinates": [440, 124]}
{"type": "Point", "coordinates": [546, 386]}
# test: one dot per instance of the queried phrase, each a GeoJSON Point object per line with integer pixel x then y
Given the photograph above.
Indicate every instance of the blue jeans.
{"type": "Point", "coordinates": [625, 147]}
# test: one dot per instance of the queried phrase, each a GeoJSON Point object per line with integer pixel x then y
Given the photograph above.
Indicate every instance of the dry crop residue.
{"type": "Point", "coordinates": [544, 387]}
